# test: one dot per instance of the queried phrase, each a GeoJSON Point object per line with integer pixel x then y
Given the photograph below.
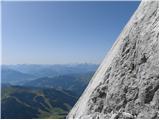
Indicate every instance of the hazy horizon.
{"type": "Point", "coordinates": [54, 64]}
{"type": "Point", "coordinates": [61, 32]}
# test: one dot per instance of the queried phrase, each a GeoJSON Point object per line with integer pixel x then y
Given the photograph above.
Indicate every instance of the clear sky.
{"type": "Point", "coordinates": [61, 32]}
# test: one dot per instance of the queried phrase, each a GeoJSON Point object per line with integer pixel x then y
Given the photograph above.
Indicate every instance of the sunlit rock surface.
{"type": "Point", "coordinates": [126, 85]}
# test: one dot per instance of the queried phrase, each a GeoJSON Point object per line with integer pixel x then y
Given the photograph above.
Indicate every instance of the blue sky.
{"type": "Point", "coordinates": [61, 32]}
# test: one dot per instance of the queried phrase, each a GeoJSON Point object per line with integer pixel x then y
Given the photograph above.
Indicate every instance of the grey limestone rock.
{"type": "Point", "coordinates": [126, 85]}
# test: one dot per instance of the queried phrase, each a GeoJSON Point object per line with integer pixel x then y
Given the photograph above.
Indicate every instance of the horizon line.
{"type": "Point", "coordinates": [52, 64]}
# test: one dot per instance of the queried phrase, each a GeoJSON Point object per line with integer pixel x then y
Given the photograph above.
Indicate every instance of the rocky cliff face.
{"type": "Point", "coordinates": [126, 85]}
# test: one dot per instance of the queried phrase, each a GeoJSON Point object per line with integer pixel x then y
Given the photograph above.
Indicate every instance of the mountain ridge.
{"type": "Point", "coordinates": [29, 102]}
{"type": "Point", "coordinates": [72, 82]}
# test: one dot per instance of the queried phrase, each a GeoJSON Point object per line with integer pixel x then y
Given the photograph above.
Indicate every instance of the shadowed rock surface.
{"type": "Point", "coordinates": [126, 85]}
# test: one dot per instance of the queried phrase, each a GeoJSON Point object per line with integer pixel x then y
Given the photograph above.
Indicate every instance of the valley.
{"type": "Point", "coordinates": [25, 95]}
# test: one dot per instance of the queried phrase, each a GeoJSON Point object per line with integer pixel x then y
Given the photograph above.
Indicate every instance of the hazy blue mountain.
{"type": "Point", "coordinates": [23, 102]}
{"type": "Point", "coordinates": [42, 91]}
{"type": "Point", "coordinates": [72, 82]}
{"type": "Point", "coordinates": [14, 77]}
{"type": "Point", "coordinates": [52, 70]}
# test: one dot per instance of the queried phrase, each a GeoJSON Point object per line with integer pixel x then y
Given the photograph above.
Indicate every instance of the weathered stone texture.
{"type": "Point", "coordinates": [129, 86]}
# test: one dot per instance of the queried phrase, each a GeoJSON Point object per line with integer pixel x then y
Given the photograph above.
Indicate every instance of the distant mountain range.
{"type": "Point", "coordinates": [12, 76]}
{"type": "Point", "coordinates": [51, 70]}
{"type": "Point", "coordinates": [42, 91]}
{"type": "Point", "coordinates": [28, 102]}
{"type": "Point", "coordinates": [73, 82]}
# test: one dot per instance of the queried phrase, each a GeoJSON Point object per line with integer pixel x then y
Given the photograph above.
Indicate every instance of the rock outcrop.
{"type": "Point", "coordinates": [126, 85]}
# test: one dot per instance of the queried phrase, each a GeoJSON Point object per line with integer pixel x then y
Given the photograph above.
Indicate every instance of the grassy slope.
{"type": "Point", "coordinates": [35, 103]}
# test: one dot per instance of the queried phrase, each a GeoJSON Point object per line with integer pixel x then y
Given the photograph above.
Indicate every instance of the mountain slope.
{"type": "Point", "coordinates": [28, 102]}
{"type": "Point", "coordinates": [14, 77]}
{"type": "Point", "coordinates": [73, 82]}
{"type": "Point", "coordinates": [126, 85]}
